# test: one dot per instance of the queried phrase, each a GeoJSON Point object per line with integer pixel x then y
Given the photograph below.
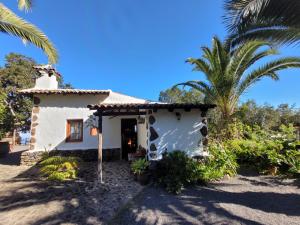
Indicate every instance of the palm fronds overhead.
{"type": "Point", "coordinates": [229, 72]}
{"type": "Point", "coordinates": [273, 20]}
{"type": "Point", "coordinates": [14, 25]}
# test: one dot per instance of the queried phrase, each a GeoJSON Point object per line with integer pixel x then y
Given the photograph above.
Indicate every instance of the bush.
{"type": "Point", "coordinates": [139, 166]}
{"type": "Point", "coordinates": [220, 163]}
{"type": "Point", "coordinates": [264, 149]}
{"type": "Point", "coordinates": [59, 168]}
{"type": "Point", "coordinates": [175, 171]}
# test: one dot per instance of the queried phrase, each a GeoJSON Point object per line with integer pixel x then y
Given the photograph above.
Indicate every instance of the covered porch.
{"type": "Point", "coordinates": [149, 126]}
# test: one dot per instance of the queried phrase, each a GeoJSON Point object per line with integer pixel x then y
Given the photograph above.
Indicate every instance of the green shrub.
{"type": "Point", "coordinates": [221, 162]}
{"type": "Point", "coordinates": [59, 168]}
{"type": "Point", "coordinates": [292, 161]}
{"type": "Point", "coordinates": [139, 166]}
{"type": "Point", "coordinates": [175, 171]}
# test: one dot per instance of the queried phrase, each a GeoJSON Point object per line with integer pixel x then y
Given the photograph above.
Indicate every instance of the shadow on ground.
{"type": "Point", "coordinates": [211, 205]}
{"type": "Point", "coordinates": [26, 199]}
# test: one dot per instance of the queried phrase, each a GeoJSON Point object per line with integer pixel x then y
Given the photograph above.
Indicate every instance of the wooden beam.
{"type": "Point", "coordinates": [100, 148]}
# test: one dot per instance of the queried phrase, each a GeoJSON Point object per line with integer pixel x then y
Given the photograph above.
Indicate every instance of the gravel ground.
{"type": "Point", "coordinates": [241, 200]}
{"type": "Point", "coordinates": [26, 199]}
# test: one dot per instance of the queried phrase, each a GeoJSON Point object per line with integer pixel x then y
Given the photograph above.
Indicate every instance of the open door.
{"type": "Point", "coordinates": [129, 137]}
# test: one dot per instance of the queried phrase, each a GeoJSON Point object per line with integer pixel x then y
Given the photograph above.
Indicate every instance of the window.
{"type": "Point", "coordinates": [74, 130]}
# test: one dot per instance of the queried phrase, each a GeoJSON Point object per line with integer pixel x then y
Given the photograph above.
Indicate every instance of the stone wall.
{"type": "Point", "coordinates": [30, 158]}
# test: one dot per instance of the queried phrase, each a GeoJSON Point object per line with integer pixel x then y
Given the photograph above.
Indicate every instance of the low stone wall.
{"type": "Point", "coordinates": [32, 157]}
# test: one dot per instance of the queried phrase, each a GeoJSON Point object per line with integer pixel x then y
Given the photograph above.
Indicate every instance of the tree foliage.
{"type": "Point", "coordinates": [277, 21]}
{"type": "Point", "coordinates": [229, 72]}
{"type": "Point", "coordinates": [267, 116]}
{"type": "Point", "coordinates": [176, 95]}
{"type": "Point", "coordinates": [17, 73]}
{"type": "Point", "coordinates": [11, 24]}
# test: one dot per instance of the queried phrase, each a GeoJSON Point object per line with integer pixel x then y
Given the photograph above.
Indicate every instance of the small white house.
{"type": "Point", "coordinates": [65, 120]}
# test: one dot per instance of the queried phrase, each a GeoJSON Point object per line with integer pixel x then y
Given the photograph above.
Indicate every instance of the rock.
{"type": "Point", "coordinates": [153, 134]}
{"type": "Point", "coordinates": [153, 147]}
{"type": "Point", "coordinates": [204, 131]}
{"type": "Point", "coordinates": [152, 120]}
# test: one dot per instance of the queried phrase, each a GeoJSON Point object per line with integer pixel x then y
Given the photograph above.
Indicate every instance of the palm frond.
{"type": "Point", "coordinates": [202, 87]}
{"type": "Point", "coordinates": [14, 25]}
{"type": "Point", "coordinates": [276, 35]}
{"type": "Point", "coordinates": [245, 17]}
{"type": "Point", "coordinates": [268, 70]}
{"type": "Point", "coordinates": [25, 4]}
{"type": "Point", "coordinates": [200, 65]}
{"type": "Point", "coordinates": [243, 57]}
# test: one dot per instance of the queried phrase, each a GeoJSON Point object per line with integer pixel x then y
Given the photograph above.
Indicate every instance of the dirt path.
{"type": "Point", "coordinates": [242, 200]}
{"type": "Point", "coordinates": [24, 199]}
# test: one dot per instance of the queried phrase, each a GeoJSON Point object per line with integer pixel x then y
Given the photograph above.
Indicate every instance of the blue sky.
{"type": "Point", "coordinates": [137, 47]}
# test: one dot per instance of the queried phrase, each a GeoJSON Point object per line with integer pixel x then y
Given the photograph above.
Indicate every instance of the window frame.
{"type": "Point", "coordinates": [68, 131]}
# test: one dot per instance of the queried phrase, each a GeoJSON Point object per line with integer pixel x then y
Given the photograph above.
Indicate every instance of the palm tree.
{"type": "Point", "coordinates": [11, 24]}
{"type": "Point", "coordinates": [277, 21]}
{"type": "Point", "coordinates": [229, 73]}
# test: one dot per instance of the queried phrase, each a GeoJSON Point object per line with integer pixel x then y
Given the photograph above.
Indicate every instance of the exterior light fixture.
{"type": "Point", "coordinates": [94, 131]}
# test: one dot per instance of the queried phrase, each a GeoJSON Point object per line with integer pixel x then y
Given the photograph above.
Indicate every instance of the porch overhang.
{"type": "Point", "coordinates": [115, 109]}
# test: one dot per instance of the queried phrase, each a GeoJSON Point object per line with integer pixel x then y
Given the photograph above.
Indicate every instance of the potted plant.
{"type": "Point", "coordinates": [140, 170]}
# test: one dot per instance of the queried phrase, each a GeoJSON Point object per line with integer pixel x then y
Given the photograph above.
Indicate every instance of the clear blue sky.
{"type": "Point", "coordinates": [137, 47]}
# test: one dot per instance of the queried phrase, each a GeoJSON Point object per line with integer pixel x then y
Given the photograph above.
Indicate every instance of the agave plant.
{"type": "Point", "coordinates": [273, 20]}
{"type": "Point", "coordinates": [11, 24]}
{"type": "Point", "coordinates": [229, 73]}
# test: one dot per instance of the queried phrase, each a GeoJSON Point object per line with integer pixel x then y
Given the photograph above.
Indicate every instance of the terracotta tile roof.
{"type": "Point", "coordinates": [151, 105]}
{"type": "Point", "coordinates": [64, 91]}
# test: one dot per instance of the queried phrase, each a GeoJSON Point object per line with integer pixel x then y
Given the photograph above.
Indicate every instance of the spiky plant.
{"type": "Point", "coordinates": [11, 24]}
{"type": "Point", "coordinates": [230, 73]}
{"type": "Point", "coordinates": [277, 21]}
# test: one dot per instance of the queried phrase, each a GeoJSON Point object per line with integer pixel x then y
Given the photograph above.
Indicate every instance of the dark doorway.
{"type": "Point", "coordinates": [129, 136]}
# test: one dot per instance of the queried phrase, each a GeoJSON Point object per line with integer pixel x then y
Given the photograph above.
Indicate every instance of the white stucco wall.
{"type": "Point", "coordinates": [174, 134]}
{"type": "Point", "coordinates": [142, 134]}
{"type": "Point", "coordinates": [54, 112]}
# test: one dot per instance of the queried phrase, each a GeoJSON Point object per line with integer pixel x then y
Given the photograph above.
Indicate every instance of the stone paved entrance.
{"type": "Point", "coordinates": [26, 199]}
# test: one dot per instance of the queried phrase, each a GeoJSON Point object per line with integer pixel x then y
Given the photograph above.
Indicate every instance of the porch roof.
{"type": "Point", "coordinates": [149, 105]}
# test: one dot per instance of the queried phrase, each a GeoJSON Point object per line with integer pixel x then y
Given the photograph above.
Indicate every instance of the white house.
{"type": "Point", "coordinates": [64, 120]}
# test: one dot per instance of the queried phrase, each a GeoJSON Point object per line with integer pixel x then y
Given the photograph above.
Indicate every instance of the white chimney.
{"type": "Point", "coordinates": [48, 79]}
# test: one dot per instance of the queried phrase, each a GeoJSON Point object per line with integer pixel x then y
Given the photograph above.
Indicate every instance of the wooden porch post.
{"type": "Point", "coordinates": [100, 147]}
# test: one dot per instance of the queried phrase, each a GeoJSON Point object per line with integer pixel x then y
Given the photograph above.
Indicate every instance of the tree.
{"type": "Point", "coordinates": [11, 24]}
{"type": "Point", "coordinates": [176, 95]}
{"type": "Point", "coordinates": [229, 72]}
{"type": "Point", "coordinates": [18, 73]}
{"type": "Point", "coordinates": [277, 21]}
{"type": "Point", "coordinates": [252, 114]}
{"type": "Point", "coordinates": [2, 114]}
